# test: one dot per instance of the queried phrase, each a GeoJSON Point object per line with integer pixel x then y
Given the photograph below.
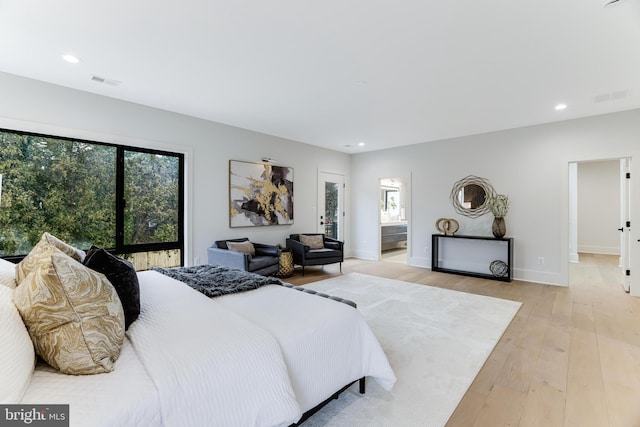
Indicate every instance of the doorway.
{"type": "Point", "coordinates": [331, 210]}
{"type": "Point", "coordinates": [599, 214]}
{"type": "Point", "coordinates": [393, 224]}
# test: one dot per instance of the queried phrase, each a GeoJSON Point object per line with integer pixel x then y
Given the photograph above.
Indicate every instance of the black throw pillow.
{"type": "Point", "coordinates": [122, 276]}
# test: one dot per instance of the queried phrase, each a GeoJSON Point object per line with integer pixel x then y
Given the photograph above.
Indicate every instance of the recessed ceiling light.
{"type": "Point", "coordinates": [360, 144]}
{"type": "Point", "coordinates": [561, 107]}
{"type": "Point", "coordinates": [71, 58]}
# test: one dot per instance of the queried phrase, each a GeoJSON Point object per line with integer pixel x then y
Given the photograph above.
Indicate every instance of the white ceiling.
{"type": "Point", "coordinates": [336, 72]}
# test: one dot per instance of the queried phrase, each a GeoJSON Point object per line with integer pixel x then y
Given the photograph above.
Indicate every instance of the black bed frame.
{"type": "Point", "coordinates": [315, 409]}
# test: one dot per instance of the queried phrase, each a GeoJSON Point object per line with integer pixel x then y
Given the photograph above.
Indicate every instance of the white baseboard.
{"type": "Point", "coordinates": [600, 250]}
{"type": "Point", "coordinates": [542, 277]}
{"type": "Point", "coordinates": [368, 255]}
{"type": "Point", "coordinates": [419, 262]}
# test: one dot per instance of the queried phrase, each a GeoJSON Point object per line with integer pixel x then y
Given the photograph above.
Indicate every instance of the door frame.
{"type": "Point", "coordinates": [341, 202]}
{"type": "Point", "coordinates": [406, 179]}
{"type": "Point", "coordinates": [627, 282]}
{"type": "Point", "coordinates": [625, 221]}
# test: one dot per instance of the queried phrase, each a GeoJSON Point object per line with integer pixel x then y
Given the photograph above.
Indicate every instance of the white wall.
{"type": "Point", "coordinates": [599, 207]}
{"type": "Point", "coordinates": [34, 106]}
{"type": "Point", "coordinates": [528, 164]}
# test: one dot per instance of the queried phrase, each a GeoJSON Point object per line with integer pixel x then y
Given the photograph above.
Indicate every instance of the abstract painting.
{"type": "Point", "coordinates": [260, 194]}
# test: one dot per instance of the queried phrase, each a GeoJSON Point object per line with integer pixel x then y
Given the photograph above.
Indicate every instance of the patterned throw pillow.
{"type": "Point", "coordinates": [42, 248]}
{"type": "Point", "coordinates": [73, 315]}
{"type": "Point", "coordinates": [246, 247]}
{"type": "Point", "coordinates": [122, 275]}
{"type": "Point", "coordinates": [315, 241]}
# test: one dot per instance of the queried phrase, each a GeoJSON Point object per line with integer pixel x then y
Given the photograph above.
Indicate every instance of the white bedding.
{"type": "Point", "coordinates": [125, 397]}
{"type": "Point", "coordinates": [260, 358]}
{"type": "Point", "coordinates": [210, 366]}
{"type": "Point", "coordinates": [326, 344]}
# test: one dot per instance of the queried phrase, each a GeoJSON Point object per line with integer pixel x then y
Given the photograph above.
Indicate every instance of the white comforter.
{"type": "Point", "coordinates": [124, 397]}
{"type": "Point", "coordinates": [260, 358]}
{"type": "Point", "coordinates": [326, 344]}
{"type": "Point", "coordinates": [210, 366]}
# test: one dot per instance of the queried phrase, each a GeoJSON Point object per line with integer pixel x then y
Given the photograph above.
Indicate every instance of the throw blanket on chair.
{"type": "Point", "coordinates": [217, 280]}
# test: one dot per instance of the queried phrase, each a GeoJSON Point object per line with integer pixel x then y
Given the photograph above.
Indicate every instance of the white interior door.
{"type": "Point", "coordinates": [331, 213]}
{"type": "Point", "coordinates": [625, 222]}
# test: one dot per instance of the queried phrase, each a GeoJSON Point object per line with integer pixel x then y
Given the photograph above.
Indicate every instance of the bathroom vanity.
{"type": "Point", "coordinates": [393, 235]}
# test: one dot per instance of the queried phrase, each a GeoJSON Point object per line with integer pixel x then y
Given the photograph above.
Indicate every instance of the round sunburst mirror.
{"type": "Point", "coordinates": [470, 196]}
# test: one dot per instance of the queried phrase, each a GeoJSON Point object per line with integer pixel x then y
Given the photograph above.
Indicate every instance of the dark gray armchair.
{"type": "Point", "coordinates": [332, 251]}
{"type": "Point", "coordinates": [264, 262]}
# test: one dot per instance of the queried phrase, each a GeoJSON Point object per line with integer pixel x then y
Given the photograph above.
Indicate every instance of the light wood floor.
{"type": "Point", "coordinates": [571, 356]}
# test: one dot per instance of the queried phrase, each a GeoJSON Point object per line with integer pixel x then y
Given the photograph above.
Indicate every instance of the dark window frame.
{"type": "Point", "coordinates": [120, 247]}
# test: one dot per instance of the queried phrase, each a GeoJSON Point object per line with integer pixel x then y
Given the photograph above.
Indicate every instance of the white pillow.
{"type": "Point", "coordinates": [17, 356]}
{"type": "Point", "coordinates": [7, 273]}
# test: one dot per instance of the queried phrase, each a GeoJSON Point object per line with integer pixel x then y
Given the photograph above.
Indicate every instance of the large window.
{"type": "Point", "coordinates": [87, 193]}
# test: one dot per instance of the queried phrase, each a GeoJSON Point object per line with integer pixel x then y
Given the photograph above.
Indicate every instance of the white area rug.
{"type": "Point", "coordinates": [436, 341]}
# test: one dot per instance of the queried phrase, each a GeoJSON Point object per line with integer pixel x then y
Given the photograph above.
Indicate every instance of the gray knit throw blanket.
{"type": "Point", "coordinates": [217, 280]}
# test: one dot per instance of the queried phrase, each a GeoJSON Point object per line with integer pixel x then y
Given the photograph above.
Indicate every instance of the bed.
{"type": "Point", "coordinates": [259, 358]}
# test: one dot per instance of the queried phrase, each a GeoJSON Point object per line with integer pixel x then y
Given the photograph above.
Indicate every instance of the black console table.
{"type": "Point", "coordinates": [472, 256]}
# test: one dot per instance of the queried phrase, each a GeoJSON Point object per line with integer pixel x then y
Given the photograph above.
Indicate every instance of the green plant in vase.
{"type": "Point", "coordinates": [499, 207]}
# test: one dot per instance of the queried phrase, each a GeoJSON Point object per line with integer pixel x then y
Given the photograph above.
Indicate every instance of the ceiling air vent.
{"type": "Point", "coordinates": [620, 94]}
{"type": "Point", "coordinates": [608, 3]}
{"type": "Point", "coordinates": [105, 81]}
{"type": "Point", "coordinates": [612, 96]}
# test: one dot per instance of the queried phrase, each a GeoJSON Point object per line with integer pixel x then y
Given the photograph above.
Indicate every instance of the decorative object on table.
{"type": "Point", "coordinates": [286, 263]}
{"type": "Point", "coordinates": [470, 196]}
{"type": "Point", "coordinates": [447, 226]}
{"type": "Point", "coordinates": [260, 194]}
{"type": "Point", "coordinates": [498, 227]}
{"type": "Point", "coordinates": [499, 268]}
{"type": "Point", "coordinates": [499, 206]}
